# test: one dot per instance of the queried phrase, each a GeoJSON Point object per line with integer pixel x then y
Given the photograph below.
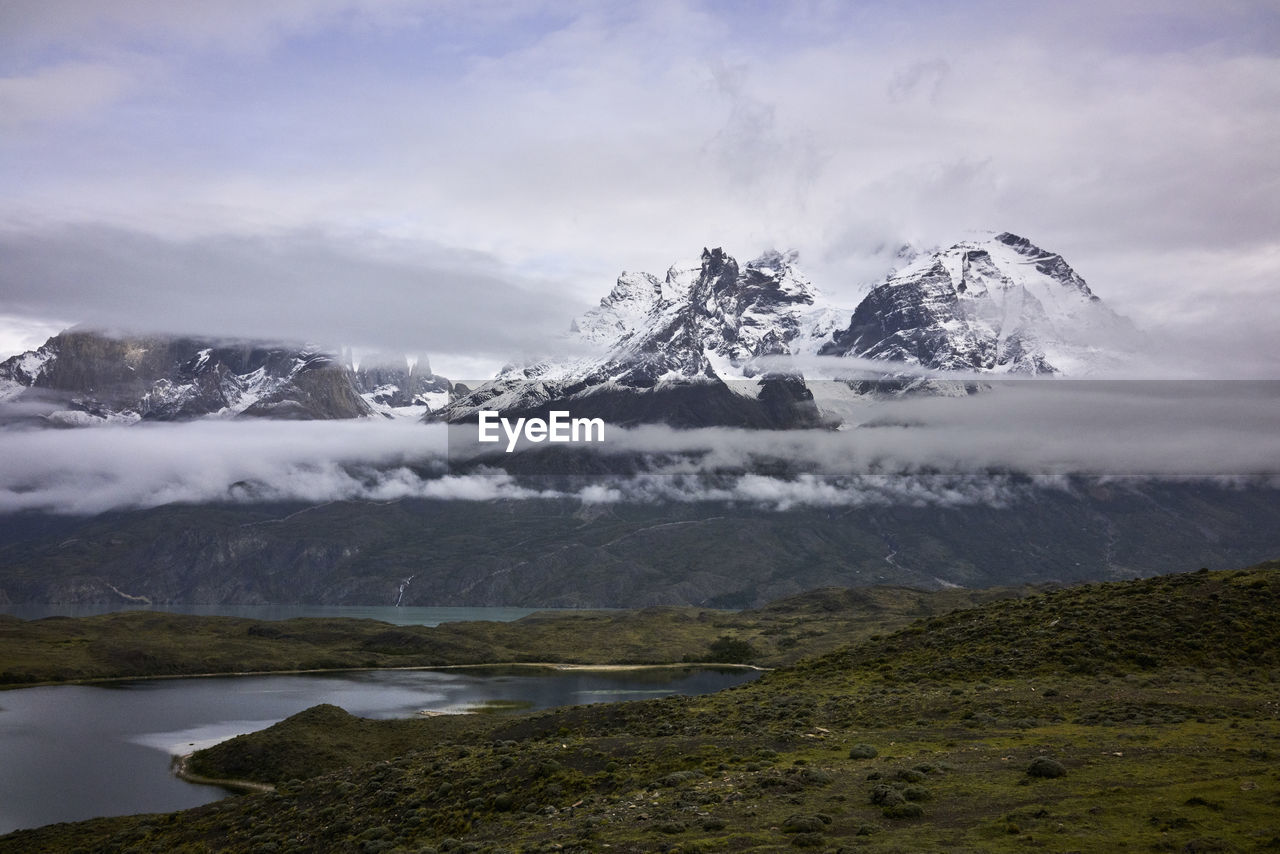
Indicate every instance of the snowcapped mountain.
{"type": "Point", "coordinates": [82, 377]}
{"type": "Point", "coordinates": [1000, 305]}
{"type": "Point", "coordinates": [397, 386]}
{"type": "Point", "coordinates": [686, 349]}
{"type": "Point", "coordinates": [766, 308]}
{"type": "Point", "coordinates": [681, 350]}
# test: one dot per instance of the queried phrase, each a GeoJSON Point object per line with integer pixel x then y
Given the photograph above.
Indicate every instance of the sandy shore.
{"type": "Point", "coordinates": [182, 770]}
{"type": "Point", "coordinates": [603, 668]}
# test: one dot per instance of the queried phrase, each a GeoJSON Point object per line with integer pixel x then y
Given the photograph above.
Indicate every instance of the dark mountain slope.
{"type": "Point", "coordinates": [559, 552]}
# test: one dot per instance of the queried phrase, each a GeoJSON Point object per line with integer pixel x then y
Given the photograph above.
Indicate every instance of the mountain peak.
{"type": "Point", "coordinates": [701, 326]}
{"type": "Point", "coordinates": [1010, 239]}
{"type": "Point", "coordinates": [719, 271]}
{"type": "Point", "coordinates": [1001, 304]}
{"type": "Point", "coordinates": [633, 297]}
{"type": "Point", "coordinates": [690, 348]}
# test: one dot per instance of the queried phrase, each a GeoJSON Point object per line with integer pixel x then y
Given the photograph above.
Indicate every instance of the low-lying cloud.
{"type": "Point", "coordinates": [1163, 428]}
{"type": "Point", "coordinates": [985, 448]}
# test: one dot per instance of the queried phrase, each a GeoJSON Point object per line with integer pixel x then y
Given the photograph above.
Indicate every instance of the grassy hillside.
{"type": "Point", "coordinates": [141, 643]}
{"type": "Point", "coordinates": [1134, 716]}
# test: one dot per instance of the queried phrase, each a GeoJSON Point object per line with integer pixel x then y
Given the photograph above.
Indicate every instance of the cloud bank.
{"type": "Point", "coordinates": [985, 448]}
{"type": "Point", "coordinates": [319, 289]}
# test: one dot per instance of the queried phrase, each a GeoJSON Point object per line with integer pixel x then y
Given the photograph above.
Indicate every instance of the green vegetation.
{"type": "Point", "coordinates": [318, 739]}
{"type": "Point", "coordinates": [1133, 716]}
{"type": "Point", "coordinates": [142, 643]}
{"type": "Point", "coordinates": [731, 650]}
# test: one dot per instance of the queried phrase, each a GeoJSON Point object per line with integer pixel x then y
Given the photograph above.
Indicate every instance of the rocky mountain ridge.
{"type": "Point", "coordinates": [713, 343]}
{"type": "Point", "coordinates": [999, 306]}
{"type": "Point", "coordinates": [680, 350]}
{"type": "Point", "coordinates": [398, 386]}
{"type": "Point", "coordinates": [84, 377]}
{"type": "Point", "coordinates": [996, 306]}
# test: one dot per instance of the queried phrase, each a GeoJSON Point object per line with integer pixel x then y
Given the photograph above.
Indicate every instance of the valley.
{"type": "Point", "coordinates": [1134, 714]}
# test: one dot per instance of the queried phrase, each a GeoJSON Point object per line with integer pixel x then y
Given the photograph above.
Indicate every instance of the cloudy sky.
{"type": "Point", "coordinates": [461, 178]}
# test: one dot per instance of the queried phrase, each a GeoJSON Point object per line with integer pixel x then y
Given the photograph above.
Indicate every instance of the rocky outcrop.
{"type": "Point", "coordinates": [89, 377]}
{"type": "Point", "coordinates": [396, 385]}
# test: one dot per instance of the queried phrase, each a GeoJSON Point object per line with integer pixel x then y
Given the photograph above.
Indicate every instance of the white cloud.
{"type": "Point", "coordinates": [62, 92]}
{"type": "Point", "coordinates": [569, 141]}
{"type": "Point", "coordinates": [237, 26]}
{"type": "Point", "coordinates": [20, 334]}
{"type": "Point", "coordinates": [328, 289]}
{"type": "Point", "coordinates": [986, 449]}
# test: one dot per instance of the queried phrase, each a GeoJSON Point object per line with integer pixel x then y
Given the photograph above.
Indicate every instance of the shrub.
{"type": "Point", "coordinates": [808, 840]}
{"type": "Point", "coordinates": [1044, 767]}
{"type": "Point", "coordinates": [676, 778]}
{"type": "Point", "coordinates": [804, 823]}
{"type": "Point", "coordinates": [816, 776]}
{"type": "Point", "coordinates": [863, 751]}
{"type": "Point", "coordinates": [903, 810]}
{"type": "Point", "coordinates": [731, 650]}
{"type": "Point", "coordinates": [885, 796]}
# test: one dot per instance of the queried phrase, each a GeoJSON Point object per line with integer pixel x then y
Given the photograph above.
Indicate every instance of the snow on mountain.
{"type": "Point", "coordinates": [622, 311]}
{"type": "Point", "coordinates": [695, 347]}
{"type": "Point", "coordinates": [1000, 305]}
{"type": "Point", "coordinates": [397, 386]}
{"type": "Point", "coordinates": [83, 377]}
{"type": "Point", "coordinates": [701, 327]}
{"type": "Point", "coordinates": [22, 371]}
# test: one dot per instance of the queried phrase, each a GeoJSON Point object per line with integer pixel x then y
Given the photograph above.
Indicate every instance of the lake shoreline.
{"type": "Point", "coordinates": [532, 665]}
{"type": "Point", "coordinates": [181, 767]}
{"type": "Point", "coordinates": [66, 750]}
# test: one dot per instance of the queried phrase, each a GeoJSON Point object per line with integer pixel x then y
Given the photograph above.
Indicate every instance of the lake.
{"type": "Point", "coordinates": [72, 752]}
